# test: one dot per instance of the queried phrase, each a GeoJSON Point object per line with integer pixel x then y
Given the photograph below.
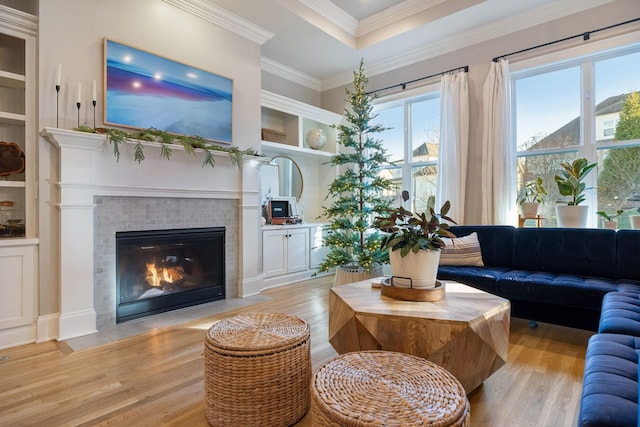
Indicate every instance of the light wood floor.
{"type": "Point", "coordinates": [155, 378]}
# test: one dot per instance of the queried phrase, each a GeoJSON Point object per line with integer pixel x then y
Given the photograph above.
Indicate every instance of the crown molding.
{"type": "Point", "coordinates": [393, 14]}
{"type": "Point", "coordinates": [223, 18]}
{"type": "Point", "coordinates": [334, 14]}
{"type": "Point", "coordinates": [461, 40]}
{"type": "Point", "coordinates": [18, 20]}
{"type": "Point", "coordinates": [291, 74]}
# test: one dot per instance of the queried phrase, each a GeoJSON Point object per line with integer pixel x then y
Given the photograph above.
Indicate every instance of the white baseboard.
{"type": "Point", "coordinates": [77, 324]}
{"type": "Point", "coordinates": [17, 336]}
{"type": "Point", "coordinates": [48, 327]}
{"type": "Point", "coordinates": [250, 287]}
{"type": "Point", "coordinates": [286, 279]}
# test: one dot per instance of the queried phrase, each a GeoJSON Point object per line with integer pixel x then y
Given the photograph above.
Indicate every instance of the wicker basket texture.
{"type": "Point", "coordinates": [381, 388]}
{"type": "Point", "coordinates": [257, 370]}
{"type": "Point", "coordinates": [274, 135]}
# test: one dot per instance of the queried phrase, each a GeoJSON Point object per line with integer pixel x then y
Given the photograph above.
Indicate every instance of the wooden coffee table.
{"type": "Point", "coordinates": [467, 332]}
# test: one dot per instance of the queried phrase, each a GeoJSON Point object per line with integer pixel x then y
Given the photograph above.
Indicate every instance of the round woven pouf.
{"type": "Point", "coordinates": [382, 388]}
{"type": "Point", "coordinates": [257, 370]}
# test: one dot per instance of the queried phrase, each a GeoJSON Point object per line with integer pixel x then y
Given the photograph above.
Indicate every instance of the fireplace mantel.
{"type": "Point", "coordinates": [88, 168]}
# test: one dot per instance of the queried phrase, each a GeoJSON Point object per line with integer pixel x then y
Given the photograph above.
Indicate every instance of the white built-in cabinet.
{"type": "Point", "coordinates": [291, 253]}
{"type": "Point", "coordinates": [285, 251]}
{"type": "Point", "coordinates": [18, 243]}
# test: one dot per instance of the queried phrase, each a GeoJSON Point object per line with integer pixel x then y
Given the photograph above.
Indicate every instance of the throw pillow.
{"type": "Point", "coordinates": [462, 251]}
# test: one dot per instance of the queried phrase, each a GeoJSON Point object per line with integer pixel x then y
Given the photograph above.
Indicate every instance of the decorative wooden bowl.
{"type": "Point", "coordinates": [11, 159]}
{"type": "Point", "coordinates": [413, 294]}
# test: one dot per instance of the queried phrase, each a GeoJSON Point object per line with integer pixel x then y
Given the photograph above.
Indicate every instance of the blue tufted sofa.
{"type": "Point", "coordinates": [584, 278]}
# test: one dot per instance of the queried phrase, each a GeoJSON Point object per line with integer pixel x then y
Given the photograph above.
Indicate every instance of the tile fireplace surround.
{"type": "Point", "coordinates": [98, 195]}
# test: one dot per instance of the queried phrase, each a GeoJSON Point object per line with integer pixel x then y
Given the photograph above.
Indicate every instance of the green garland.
{"type": "Point", "coordinates": [166, 141]}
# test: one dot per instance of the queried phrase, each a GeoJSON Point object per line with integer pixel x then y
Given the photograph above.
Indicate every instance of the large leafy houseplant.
{"type": "Point", "coordinates": [414, 241]}
{"type": "Point", "coordinates": [412, 232]}
{"type": "Point", "coordinates": [570, 180]}
{"type": "Point", "coordinates": [357, 192]}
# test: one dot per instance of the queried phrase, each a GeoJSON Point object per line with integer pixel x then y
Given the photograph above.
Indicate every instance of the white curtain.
{"type": "Point", "coordinates": [499, 185]}
{"type": "Point", "coordinates": [454, 142]}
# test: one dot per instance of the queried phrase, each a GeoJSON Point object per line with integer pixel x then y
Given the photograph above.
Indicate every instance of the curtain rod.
{"type": "Point", "coordinates": [404, 85]}
{"type": "Point", "coordinates": [585, 36]}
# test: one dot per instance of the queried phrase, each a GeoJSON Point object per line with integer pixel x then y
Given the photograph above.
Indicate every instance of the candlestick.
{"type": "Point", "coordinates": [94, 91]}
{"type": "Point", "coordinates": [94, 113]}
{"type": "Point", "coordinates": [78, 105]}
{"type": "Point", "coordinates": [79, 93]}
{"type": "Point", "coordinates": [58, 106]}
{"type": "Point", "coordinates": [59, 75]}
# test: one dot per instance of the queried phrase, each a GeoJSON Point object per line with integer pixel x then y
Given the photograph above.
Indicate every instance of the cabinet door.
{"type": "Point", "coordinates": [297, 250]}
{"type": "Point", "coordinates": [18, 282]}
{"type": "Point", "coordinates": [274, 254]}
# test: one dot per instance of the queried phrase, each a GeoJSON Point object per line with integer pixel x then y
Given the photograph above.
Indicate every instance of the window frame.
{"type": "Point", "coordinates": [405, 99]}
{"type": "Point", "coordinates": [585, 57]}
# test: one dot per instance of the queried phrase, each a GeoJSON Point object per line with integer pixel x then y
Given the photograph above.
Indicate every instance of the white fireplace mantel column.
{"type": "Point", "coordinates": [76, 151]}
{"type": "Point", "coordinates": [87, 167]}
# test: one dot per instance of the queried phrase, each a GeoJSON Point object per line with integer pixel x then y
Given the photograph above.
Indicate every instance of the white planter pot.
{"type": "Point", "coordinates": [530, 210]}
{"type": "Point", "coordinates": [635, 222]}
{"type": "Point", "coordinates": [572, 216]}
{"type": "Point", "coordinates": [421, 268]}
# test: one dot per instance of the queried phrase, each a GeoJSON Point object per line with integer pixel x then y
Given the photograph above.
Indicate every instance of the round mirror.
{"type": "Point", "coordinates": [289, 177]}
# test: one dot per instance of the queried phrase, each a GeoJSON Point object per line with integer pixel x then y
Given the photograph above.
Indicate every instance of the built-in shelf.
{"type": "Point", "coordinates": [14, 184]}
{"type": "Point", "coordinates": [275, 148]}
{"type": "Point", "coordinates": [14, 119]}
{"type": "Point", "coordinates": [295, 119]}
{"type": "Point", "coordinates": [12, 80]}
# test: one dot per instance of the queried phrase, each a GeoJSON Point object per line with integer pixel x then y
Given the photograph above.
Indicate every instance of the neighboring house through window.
{"type": "Point", "coordinates": [575, 107]}
{"type": "Point", "coordinates": [412, 143]}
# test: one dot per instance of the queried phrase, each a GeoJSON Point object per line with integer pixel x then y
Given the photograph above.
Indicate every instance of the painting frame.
{"type": "Point", "coordinates": [144, 90]}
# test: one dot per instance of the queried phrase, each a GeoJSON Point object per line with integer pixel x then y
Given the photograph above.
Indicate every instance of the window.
{"type": "Point", "coordinates": [412, 143]}
{"type": "Point", "coordinates": [582, 107]}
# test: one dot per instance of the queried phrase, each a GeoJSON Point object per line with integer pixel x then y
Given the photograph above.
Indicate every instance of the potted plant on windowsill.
{"type": "Point", "coordinates": [414, 242]}
{"type": "Point", "coordinates": [570, 183]}
{"type": "Point", "coordinates": [610, 221]}
{"type": "Point", "coordinates": [531, 195]}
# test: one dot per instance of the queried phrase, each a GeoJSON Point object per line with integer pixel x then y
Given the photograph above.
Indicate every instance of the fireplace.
{"type": "Point", "coordinates": [162, 270]}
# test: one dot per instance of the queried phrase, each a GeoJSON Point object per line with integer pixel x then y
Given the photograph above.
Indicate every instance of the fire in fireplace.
{"type": "Point", "coordinates": [162, 270]}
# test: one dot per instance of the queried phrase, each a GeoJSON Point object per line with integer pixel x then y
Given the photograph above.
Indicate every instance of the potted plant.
{"type": "Point", "coordinates": [414, 242]}
{"type": "Point", "coordinates": [610, 220]}
{"type": "Point", "coordinates": [570, 183]}
{"type": "Point", "coordinates": [531, 195]}
{"type": "Point", "coordinates": [357, 193]}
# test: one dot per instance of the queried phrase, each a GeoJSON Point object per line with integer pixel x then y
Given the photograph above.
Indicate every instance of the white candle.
{"type": "Point", "coordinates": [79, 92]}
{"type": "Point", "coordinates": [59, 75]}
{"type": "Point", "coordinates": [94, 91]}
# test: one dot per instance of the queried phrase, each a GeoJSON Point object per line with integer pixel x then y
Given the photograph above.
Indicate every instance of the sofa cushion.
{"type": "Point", "coordinates": [496, 242]}
{"type": "Point", "coordinates": [483, 278]}
{"type": "Point", "coordinates": [461, 251]}
{"type": "Point", "coordinates": [575, 251]}
{"type": "Point", "coordinates": [610, 385]}
{"type": "Point", "coordinates": [551, 288]}
{"type": "Point", "coordinates": [628, 254]}
{"type": "Point", "coordinates": [620, 313]}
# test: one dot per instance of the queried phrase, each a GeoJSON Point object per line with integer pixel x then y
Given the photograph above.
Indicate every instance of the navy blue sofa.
{"type": "Point", "coordinates": [555, 275]}
{"type": "Point", "coordinates": [583, 278]}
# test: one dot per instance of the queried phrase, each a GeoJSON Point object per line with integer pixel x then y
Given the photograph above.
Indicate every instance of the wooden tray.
{"type": "Point", "coordinates": [413, 294]}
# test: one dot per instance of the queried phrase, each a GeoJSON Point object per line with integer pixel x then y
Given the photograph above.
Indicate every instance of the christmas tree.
{"type": "Point", "coordinates": [357, 194]}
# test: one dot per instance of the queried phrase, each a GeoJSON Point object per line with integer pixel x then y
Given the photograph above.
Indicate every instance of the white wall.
{"type": "Point", "coordinates": [71, 33]}
{"type": "Point", "coordinates": [479, 56]}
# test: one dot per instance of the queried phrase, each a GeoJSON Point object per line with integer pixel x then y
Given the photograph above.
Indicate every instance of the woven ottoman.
{"type": "Point", "coordinates": [382, 388]}
{"type": "Point", "coordinates": [257, 370]}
